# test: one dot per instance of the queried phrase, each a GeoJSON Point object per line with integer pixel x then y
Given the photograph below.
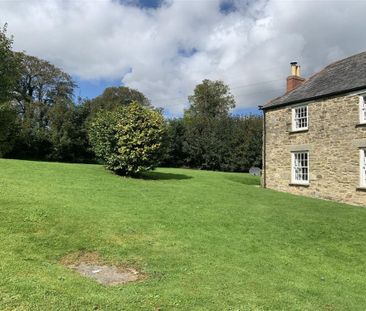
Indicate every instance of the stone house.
{"type": "Point", "coordinates": [315, 134]}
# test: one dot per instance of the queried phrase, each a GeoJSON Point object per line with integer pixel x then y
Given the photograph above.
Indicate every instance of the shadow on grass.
{"type": "Point", "coordinates": [245, 180]}
{"type": "Point", "coordinates": [163, 176]}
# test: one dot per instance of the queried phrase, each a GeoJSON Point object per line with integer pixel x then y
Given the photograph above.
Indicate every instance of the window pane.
{"type": "Point", "coordinates": [301, 166]}
{"type": "Point", "coordinates": [363, 167]}
{"type": "Point", "coordinates": [300, 117]}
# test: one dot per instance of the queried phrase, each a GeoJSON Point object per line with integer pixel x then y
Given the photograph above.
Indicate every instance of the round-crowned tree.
{"type": "Point", "coordinates": [129, 139]}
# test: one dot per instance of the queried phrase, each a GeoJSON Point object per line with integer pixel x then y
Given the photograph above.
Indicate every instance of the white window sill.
{"type": "Point", "coordinates": [301, 184]}
{"type": "Point", "coordinates": [361, 124]}
{"type": "Point", "coordinates": [305, 129]}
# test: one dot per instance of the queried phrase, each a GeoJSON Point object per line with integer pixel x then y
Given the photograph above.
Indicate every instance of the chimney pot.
{"type": "Point", "coordinates": [294, 80]}
{"type": "Point", "coordinates": [293, 68]}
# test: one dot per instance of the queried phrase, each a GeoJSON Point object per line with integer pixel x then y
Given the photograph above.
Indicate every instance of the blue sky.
{"type": "Point", "coordinates": [165, 48]}
{"type": "Point", "coordinates": [149, 4]}
{"type": "Point", "coordinates": [89, 89]}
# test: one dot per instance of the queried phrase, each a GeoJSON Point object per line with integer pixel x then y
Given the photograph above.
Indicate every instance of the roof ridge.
{"type": "Point", "coordinates": [337, 77]}
{"type": "Point", "coordinates": [344, 59]}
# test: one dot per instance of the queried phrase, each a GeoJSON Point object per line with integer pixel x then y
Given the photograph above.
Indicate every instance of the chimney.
{"type": "Point", "coordinates": [294, 80]}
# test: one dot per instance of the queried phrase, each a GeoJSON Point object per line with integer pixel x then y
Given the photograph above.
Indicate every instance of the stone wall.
{"type": "Point", "coordinates": [333, 140]}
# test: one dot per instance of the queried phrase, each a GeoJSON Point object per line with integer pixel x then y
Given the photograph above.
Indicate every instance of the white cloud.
{"type": "Point", "coordinates": [106, 40]}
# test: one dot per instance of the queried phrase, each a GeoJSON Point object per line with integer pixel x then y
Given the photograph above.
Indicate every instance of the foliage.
{"type": "Point", "coordinates": [51, 126]}
{"type": "Point", "coordinates": [210, 99]}
{"type": "Point", "coordinates": [226, 143]}
{"type": "Point", "coordinates": [9, 66]}
{"type": "Point", "coordinates": [68, 133]}
{"type": "Point", "coordinates": [244, 142]}
{"type": "Point", "coordinates": [174, 155]}
{"type": "Point", "coordinates": [8, 128]}
{"type": "Point", "coordinates": [208, 137]}
{"type": "Point", "coordinates": [41, 82]}
{"type": "Point", "coordinates": [115, 97]}
{"type": "Point", "coordinates": [128, 139]}
{"type": "Point", "coordinates": [205, 241]}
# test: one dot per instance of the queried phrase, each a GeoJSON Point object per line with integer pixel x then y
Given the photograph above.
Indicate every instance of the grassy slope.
{"type": "Point", "coordinates": [208, 240]}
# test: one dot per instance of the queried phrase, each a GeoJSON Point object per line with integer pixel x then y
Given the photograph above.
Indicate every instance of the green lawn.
{"type": "Point", "coordinates": [206, 240]}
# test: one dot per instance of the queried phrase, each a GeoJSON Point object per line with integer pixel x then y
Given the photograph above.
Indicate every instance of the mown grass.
{"type": "Point", "coordinates": [206, 240]}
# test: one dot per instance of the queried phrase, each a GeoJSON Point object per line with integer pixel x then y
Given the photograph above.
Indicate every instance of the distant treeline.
{"type": "Point", "coordinates": [39, 119]}
{"type": "Point", "coordinates": [228, 143]}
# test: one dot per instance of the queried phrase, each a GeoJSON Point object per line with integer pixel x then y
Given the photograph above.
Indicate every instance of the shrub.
{"type": "Point", "coordinates": [129, 139]}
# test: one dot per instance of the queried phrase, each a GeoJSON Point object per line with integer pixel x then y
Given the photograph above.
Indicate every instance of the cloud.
{"type": "Point", "coordinates": [165, 49]}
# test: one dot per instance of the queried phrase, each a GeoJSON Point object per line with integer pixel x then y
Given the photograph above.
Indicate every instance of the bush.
{"type": "Point", "coordinates": [129, 139]}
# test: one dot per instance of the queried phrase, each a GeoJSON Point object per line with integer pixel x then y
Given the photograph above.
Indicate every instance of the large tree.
{"type": "Point", "coordinates": [116, 97]}
{"type": "Point", "coordinates": [9, 67]}
{"type": "Point", "coordinates": [41, 82]}
{"type": "Point", "coordinates": [51, 126]}
{"type": "Point", "coordinates": [211, 99]}
{"type": "Point", "coordinates": [206, 125]}
{"type": "Point", "coordinates": [9, 74]}
{"type": "Point", "coordinates": [208, 137]}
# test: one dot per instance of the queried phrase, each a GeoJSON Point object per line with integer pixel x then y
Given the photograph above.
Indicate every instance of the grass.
{"type": "Point", "coordinates": [206, 240]}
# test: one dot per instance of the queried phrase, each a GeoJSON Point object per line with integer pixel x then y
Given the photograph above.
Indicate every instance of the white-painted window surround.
{"type": "Point", "coordinates": [300, 167]}
{"type": "Point", "coordinates": [362, 101]}
{"type": "Point", "coordinates": [300, 118]}
{"type": "Point", "coordinates": [363, 167]}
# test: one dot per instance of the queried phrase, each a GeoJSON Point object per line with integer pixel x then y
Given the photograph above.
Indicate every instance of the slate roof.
{"type": "Point", "coordinates": [343, 76]}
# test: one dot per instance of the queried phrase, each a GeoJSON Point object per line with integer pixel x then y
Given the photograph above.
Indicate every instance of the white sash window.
{"type": "Point", "coordinates": [300, 167]}
{"type": "Point", "coordinates": [363, 167]}
{"type": "Point", "coordinates": [362, 101]}
{"type": "Point", "coordinates": [300, 118]}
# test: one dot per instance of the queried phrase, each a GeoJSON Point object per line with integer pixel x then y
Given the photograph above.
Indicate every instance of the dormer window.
{"type": "Point", "coordinates": [362, 101]}
{"type": "Point", "coordinates": [300, 118]}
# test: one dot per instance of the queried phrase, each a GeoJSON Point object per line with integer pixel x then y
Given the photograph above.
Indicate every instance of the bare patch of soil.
{"type": "Point", "coordinates": [91, 265]}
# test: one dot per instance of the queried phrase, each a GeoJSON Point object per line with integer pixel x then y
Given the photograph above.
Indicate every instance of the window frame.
{"type": "Point", "coordinates": [362, 108]}
{"type": "Point", "coordinates": [362, 167]}
{"type": "Point", "coordinates": [293, 118]}
{"type": "Point", "coordinates": [293, 180]}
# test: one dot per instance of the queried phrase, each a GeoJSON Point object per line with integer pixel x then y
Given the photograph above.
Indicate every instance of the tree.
{"type": "Point", "coordinates": [67, 133]}
{"type": "Point", "coordinates": [8, 128]}
{"type": "Point", "coordinates": [9, 73]}
{"type": "Point", "coordinates": [207, 142]}
{"type": "Point", "coordinates": [207, 125]}
{"type": "Point", "coordinates": [245, 143]}
{"type": "Point", "coordinates": [211, 99]}
{"type": "Point", "coordinates": [116, 97]}
{"type": "Point", "coordinates": [208, 137]}
{"type": "Point", "coordinates": [174, 155]}
{"type": "Point", "coordinates": [41, 82]}
{"type": "Point", "coordinates": [227, 143]}
{"type": "Point", "coordinates": [51, 127]}
{"type": "Point", "coordinates": [129, 139]}
{"type": "Point", "coordinates": [9, 67]}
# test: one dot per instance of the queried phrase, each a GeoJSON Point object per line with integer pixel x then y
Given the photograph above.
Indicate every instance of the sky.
{"type": "Point", "coordinates": [164, 48]}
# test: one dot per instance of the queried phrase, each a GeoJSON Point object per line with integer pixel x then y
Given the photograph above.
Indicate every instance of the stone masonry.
{"type": "Point", "coordinates": [333, 139]}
